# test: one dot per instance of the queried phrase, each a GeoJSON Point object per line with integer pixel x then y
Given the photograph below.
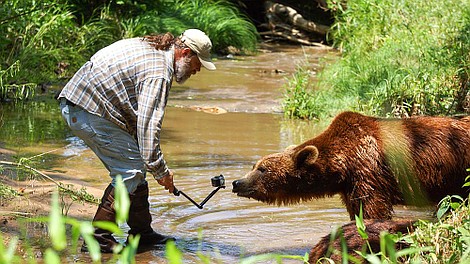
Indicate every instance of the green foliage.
{"type": "Point", "coordinates": [6, 192]}
{"type": "Point", "coordinates": [47, 41]}
{"type": "Point", "coordinates": [22, 91]}
{"type": "Point", "coordinates": [77, 195]}
{"type": "Point", "coordinates": [398, 58]}
{"type": "Point", "coordinates": [24, 169]}
{"type": "Point", "coordinates": [467, 180]}
{"type": "Point", "coordinates": [7, 255]}
{"type": "Point", "coordinates": [32, 122]}
{"type": "Point", "coordinates": [36, 37]}
{"type": "Point", "coordinates": [172, 253]}
{"type": "Point", "coordinates": [121, 201]}
{"type": "Point", "coordinates": [222, 22]}
{"type": "Point", "coordinates": [450, 202]}
{"type": "Point", "coordinates": [361, 227]}
{"type": "Point", "coordinates": [272, 256]}
{"type": "Point", "coordinates": [57, 226]}
{"type": "Point", "coordinates": [299, 98]}
{"type": "Point", "coordinates": [58, 235]}
{"type": "Point", "coordinates": [445, 241]}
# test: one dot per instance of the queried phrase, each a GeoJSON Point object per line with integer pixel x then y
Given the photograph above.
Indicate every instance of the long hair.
{"type": "Point", "coordinates": [164, 41]}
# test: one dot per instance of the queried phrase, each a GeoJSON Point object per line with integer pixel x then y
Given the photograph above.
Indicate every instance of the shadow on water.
{"type": "Point", "coordinates": [198, 146]}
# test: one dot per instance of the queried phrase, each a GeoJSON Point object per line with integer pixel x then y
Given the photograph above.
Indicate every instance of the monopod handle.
{"type": "Point", "coordinates": [217, 181]}
{"type": "Point", "coordinates": [178, 192]}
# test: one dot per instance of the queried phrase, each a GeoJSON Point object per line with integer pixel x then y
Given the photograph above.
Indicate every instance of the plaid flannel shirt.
{"type": "Point", "coordinates": [128, 83]}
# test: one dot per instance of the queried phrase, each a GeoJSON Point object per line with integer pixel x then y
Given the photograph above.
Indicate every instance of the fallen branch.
{"type": "Point", "coordinates": [16, 213]}
{"type": "Point", "coordinates": [290, 15]}
{"type": "Point", "coordinates": [294, 39]}
{"type": "Point", "coordinates": [76, 195]}
{"type": "Point", "coordinates": [30, 168]}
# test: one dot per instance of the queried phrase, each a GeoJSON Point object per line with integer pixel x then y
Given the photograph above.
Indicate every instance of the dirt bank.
{"type": "Point", "coordinates": [33, 201]}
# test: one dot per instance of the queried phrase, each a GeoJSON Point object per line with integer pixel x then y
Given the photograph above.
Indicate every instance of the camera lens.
{"type": "Point", "coordinates": [218, 181]}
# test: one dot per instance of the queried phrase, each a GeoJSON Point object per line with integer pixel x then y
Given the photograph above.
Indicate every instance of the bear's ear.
{"type": "Point", "coordinates": [290, 148]}
{"type": "Point", "coordinates": [308, 155]}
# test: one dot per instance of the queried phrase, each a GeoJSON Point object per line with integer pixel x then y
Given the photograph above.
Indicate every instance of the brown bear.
{"type": "Point", "coordinates": [331, 246]}
{"type": "Point", "coordinates": [369, 161]}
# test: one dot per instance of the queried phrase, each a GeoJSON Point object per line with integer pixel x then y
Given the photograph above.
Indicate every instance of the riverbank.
{"type": "Point", "coordinates": [400, 58]}
{"type": "Point", "coordinates": [21, 201]}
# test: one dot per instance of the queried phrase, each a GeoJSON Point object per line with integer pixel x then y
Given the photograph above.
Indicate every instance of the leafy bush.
{"type": "Point", "coordinates": [36, 37]}
{"type": "Point", "coordinates": [6, 192]}
{"type": "Point", "coordinates": [299, 100]}
{"type": "Point", "coordinates": [47, 41]}
{"type": "Point", "coordinates": [398, 58]}
{"type": "Point", "coordinates": [447, 241]}
{"type": "Point", "coordinates": [221, 20]}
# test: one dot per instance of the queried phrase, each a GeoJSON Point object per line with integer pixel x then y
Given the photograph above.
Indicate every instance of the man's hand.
{"type": "Point", "coordinates": [167, 181]}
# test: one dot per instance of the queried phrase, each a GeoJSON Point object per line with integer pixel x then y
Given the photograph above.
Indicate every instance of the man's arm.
{"type": "Point", "coordinates": [152, 102]}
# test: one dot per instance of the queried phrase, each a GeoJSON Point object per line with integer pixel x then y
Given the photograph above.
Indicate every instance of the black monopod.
{"type": "Point", "coordinates": [217, 181]}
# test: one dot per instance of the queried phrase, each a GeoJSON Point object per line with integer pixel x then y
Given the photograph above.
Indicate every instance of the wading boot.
{"type": "Point", "coordinates": [105, 212]}
{"type": "Point", "coordinates": [140, 219]}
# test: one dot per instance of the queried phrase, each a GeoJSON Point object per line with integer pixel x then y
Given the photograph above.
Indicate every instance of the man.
{"type": "Point", "coordinates": [115, 103]}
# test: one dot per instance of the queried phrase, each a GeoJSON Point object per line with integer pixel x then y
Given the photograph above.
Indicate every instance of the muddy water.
{"type": "Point", "coordinates": [200, 145]}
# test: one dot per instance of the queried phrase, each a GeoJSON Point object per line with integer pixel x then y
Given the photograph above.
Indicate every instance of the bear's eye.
{"type": "Point", "coordinates": [261, 169]}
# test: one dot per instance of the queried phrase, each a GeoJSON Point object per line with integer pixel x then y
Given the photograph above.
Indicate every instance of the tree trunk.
{"type": "Point", "coordinates": [287, 14]}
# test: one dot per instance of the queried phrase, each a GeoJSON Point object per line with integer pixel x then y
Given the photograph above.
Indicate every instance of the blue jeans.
{"type": "Point", "coordinates": [116, 148]}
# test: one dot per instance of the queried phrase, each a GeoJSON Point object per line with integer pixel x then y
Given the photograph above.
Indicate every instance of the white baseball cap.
{"type": "Point", "coordinates": [200, 43]}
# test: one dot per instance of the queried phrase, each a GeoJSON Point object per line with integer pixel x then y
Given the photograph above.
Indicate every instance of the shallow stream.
{"type": "Point", "coordinates": [199, 145]}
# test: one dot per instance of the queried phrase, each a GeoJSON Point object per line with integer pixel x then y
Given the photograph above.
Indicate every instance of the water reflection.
{"type": "Point", "coordinates": [31, 122]}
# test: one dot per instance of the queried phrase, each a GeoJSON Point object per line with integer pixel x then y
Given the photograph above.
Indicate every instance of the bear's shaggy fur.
{"type": "Point", "coordinates": [370, 161]}
{"type": "Point", "coordinates": [330, 246]}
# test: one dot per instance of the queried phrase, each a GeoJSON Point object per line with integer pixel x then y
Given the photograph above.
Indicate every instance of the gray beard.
{"type": "Point", "coordinates": [182, 70]}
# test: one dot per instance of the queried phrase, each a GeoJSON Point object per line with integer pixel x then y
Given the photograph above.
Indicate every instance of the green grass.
{"type": "Point", "coordinates": [398, 58]}
{"type": "Point", "coordinates": [221, 20]}
{"type": "Point", "coordinates": [447, 241]}
{"type": "Point", "coordinates": [6, 192]}
{"type": "Point", "coordinates": [35, 36]}
{"type": "Point", "coordinates": [299, 100]}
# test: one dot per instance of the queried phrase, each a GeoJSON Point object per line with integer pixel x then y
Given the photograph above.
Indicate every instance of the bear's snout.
{"type": "Point", "coordinates": [242, 188]}
{"type": "Point", "coordinates": [236, 185]}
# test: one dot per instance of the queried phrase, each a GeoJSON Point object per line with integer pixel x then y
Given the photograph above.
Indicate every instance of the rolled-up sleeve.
{"type": "Point", "coordinates": [152, 101]}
